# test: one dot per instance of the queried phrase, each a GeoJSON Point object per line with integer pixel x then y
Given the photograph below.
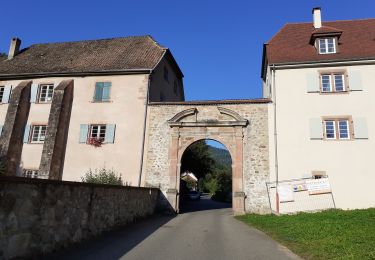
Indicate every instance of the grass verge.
{"type": "Point", "coordinates": [332, 234]}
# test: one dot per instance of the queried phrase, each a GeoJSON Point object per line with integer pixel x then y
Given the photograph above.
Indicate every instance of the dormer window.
{"type": "Point", "coordinates": [327, 45]}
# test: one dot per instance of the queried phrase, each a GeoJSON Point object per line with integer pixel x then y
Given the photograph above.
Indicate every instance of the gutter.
{"type": "Point", "coordinates": [327, 63]}
{"type": "Point", "coordinates": [275, 135]}
{"type": "Point", "coordinates": [72, 74]}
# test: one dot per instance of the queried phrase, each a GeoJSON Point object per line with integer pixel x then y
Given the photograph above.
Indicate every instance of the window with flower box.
{"type": "Point", "coordinates": [97, 134]}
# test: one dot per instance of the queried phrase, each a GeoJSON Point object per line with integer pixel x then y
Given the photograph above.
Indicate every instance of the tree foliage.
{"type": "Point", "coordinates": [102, 176]}
{"type": "Point", "coordinates": [212, 167]}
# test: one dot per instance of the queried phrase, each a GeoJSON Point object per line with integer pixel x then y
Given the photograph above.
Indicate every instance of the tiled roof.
{"type": "Point", "coordinates": [326, 29]}
{"type": "Point", "coordinates": [117, 54]}
{"type": "Point", "coordinates": [214, 102]}
{"type": "Point", "coordinates": [292, 43]}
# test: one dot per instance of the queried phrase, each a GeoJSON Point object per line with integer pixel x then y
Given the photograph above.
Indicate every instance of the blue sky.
{"type": "Point", "coordinates": [218, 44]}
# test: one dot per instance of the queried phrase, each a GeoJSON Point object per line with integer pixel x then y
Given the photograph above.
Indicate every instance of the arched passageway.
{"type": "Point", "coordinates": [240, 125]}
{"type": "Point", "coordinates": [205, 177]}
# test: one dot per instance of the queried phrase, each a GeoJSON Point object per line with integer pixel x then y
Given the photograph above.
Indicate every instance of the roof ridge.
{"type": "Point", "coordinates": [156, 42]}
{"type": "Point", "coordinates": [95, 40]}
{"type": "Point", "coordinates": [345, 20]}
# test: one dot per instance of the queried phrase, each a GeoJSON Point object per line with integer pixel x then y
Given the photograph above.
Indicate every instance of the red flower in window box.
{"type": "Point", "coordinates": [95, 141]}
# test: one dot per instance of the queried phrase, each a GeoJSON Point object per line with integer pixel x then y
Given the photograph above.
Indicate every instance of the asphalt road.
{"type": "Point", "coordinates": [207, 230]}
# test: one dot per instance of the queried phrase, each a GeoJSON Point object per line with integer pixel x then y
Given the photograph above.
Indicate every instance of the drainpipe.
{"type": "Point", "coordinates": [275, 136]}
{"type": "Point", "coordinates": [144, 129]}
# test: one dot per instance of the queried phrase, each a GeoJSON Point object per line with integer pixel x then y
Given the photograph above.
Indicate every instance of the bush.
{"type": "Point", "coordinates": [102, 176]}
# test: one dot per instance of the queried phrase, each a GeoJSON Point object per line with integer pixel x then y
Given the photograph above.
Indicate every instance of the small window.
{"type": "Point", "coordinates": [30, 173]}
{"type": "Point", "coordinates": [333, 82]}
{"type": "Point", "coordinates": [166, 77]}
{"type": "Point", "coordinates": [2, 89]}
{"type": "Point", "coordinates": [175, 87]}
{"type": "Point", "coordinates": [38, 133]}
{"type": "Point", "coordinates": [319, 174]}
{"type": "Point", "coordinates": [327, 45]}
{"type": "Point", "coordinates": [98, 132]}
{"type": "Point", "coordinates": [45, 93]}
{"type": "Point", "coordinates": [337, 129]}
{"type": "Point", "coordinates": [102, 91]}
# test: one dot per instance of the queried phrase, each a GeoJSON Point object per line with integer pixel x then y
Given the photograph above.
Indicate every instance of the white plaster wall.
{"type": "Point", "coordinates": [126, 109]}
{"type": "Point", "coordinates": [39, 113]}
{"type": "Point", "coordinates": [347, 163]}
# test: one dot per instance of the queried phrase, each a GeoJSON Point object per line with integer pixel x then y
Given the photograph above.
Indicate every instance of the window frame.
{"type": "Point", "coordinates": [2, 90]}
{"type": "Point", "coordinates": [91, 126]}
{"type": "Point", "coordinates": [34, 173]}
{"type": "Point", "coordinates": [31, 135]}
{"type": "Point", "coordinates": [39, 98]}
{"type": "Point", "coordinates": [336, 120]}
{"type": "Point", "coordinates": [332, 81]}
{"type": "Point", "coordinates": [326, 43]}
{"type": "Point", "coordinates": [94, 100]}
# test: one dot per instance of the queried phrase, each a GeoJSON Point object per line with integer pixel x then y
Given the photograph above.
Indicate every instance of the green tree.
{"type": "Point", "coordinates": [102, 176]}
{"type": "Point", "coordinates": [197, 159]}
{"type": "Point", "coordinates": [212, 167]}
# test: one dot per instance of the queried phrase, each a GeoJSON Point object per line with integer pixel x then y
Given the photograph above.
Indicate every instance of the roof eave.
{"type": "Point", "coordinates": [307, 63]}
{"type": "Point", "coordinates": [74, 74]}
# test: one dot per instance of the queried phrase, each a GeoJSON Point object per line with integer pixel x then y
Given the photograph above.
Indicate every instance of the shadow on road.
{"type": "Point", "coordinates": [205, 203]}
{"type": "Point", "coordinates": [113, 244]}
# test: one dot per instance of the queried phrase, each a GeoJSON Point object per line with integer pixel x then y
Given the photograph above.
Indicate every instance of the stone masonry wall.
{"type": "Point", "coordinates": [255, 146]}
{"type": "Point", "coordinates": [40, 216]}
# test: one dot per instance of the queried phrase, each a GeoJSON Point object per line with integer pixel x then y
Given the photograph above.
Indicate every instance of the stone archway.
{"type": "Point", "coordinates": [228, 132]}
{"type": "Point", "coordinates": [241, 126]}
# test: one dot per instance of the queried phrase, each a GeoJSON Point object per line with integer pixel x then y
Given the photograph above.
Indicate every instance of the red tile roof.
{"type": "Point", "coordinates": [291, 43]}
{"type": "Point", "coordinates": [117, 54]}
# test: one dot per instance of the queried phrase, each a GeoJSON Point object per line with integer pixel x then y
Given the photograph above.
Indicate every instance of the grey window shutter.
{"type": "Point", "coordinates": [1, 129]}
{"type": "Point", "coordinates": [355, 81]}
{"type": "Point", "coordinates": [110, 134]}
{"type": "Point", "coordinates": [360, 128]}
{"type": "Point", "coordinates": [84, 130]}
{"type": "Point", "coordinates": [316, 128]}
{"type": "Point", "coordinates": [312, 82]}
{"type": "Point", "coordinates": [6, 94]}
{"type": "Point", "coordinates": [34, 92]}
{"type": "Point", "coordinates": [26, 135]}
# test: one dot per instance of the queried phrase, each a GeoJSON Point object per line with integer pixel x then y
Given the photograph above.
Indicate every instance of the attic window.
{"type": "Point", "coordinates": [327, 45]}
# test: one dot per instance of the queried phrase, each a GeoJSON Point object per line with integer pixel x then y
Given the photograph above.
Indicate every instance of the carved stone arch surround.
{"type": "Point", "coordinates": [227, 132]}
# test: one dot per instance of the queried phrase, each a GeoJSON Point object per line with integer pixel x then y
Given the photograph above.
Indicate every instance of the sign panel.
{"type": "Point", "coordinates": [285, 193]}
{"type": "Point", "coordinates": [299, 186]}
{"type": "Point", "coordinates": [318, 186]}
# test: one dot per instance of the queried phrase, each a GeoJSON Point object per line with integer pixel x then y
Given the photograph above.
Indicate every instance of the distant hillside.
{"type": "Point", "coordinates": [221, 156]}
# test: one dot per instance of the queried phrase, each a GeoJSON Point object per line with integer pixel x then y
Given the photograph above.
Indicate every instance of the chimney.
{"type": "Point", "coordinates": [14, 48]}
{"type": "Point", "coordinates": [317, 17]}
